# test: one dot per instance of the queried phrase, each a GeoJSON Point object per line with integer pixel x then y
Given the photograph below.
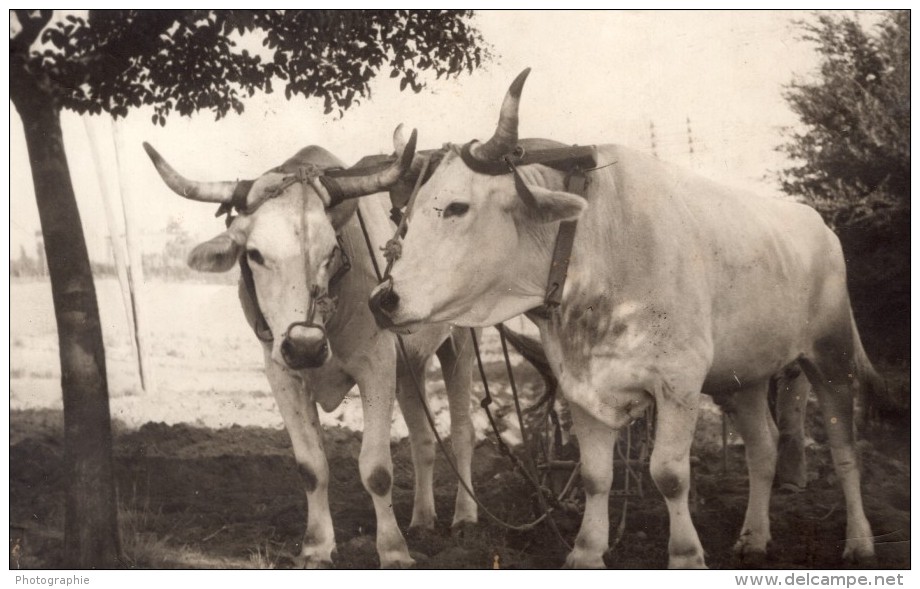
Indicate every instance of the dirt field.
{"type": "Point", "coordinates": [206, 476]}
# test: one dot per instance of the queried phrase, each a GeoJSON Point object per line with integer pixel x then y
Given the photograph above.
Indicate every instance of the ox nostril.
{"type": "Point", "coordinates": [287, 348]}
{"type": "Point", "coordinates": [389, 300]}
{"type": "Point", "coordinates": [383, 303]}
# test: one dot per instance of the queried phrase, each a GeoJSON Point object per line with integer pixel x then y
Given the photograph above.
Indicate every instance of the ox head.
{"type": "Point", "coordinates": [479, 246]}
{"type": "Point", "coordinates": [286, 229]}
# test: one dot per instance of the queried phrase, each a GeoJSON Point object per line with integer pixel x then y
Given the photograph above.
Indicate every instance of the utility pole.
{"type": "Point", "coordinates": [118, 250]}
{"type": "Point", "coordinates": [136, 282]}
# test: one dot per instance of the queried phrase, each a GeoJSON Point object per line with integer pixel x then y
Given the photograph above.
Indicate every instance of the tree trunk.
{"type": "Point", "coordinates": [90, 525]}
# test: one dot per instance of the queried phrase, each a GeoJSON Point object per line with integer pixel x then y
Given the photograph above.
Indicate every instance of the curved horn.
{"type": "Point", "coordinates": [344, 187]}
{"type": "Point", "coordinates": [506, 133]}
{"type": "Point", "coordinates": [429, 156]}
{"type": "Point", "coordinates": [400, 141]}
{"type": "Point", "coordinates": [201, 191]}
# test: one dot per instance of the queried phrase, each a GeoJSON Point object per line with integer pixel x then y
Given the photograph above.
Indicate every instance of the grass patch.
{"type": "Point", "coordinates": [264, 557]}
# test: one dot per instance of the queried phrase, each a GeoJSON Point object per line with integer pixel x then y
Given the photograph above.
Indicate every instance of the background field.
{"type": "Point", "coordinates": [206, 477]}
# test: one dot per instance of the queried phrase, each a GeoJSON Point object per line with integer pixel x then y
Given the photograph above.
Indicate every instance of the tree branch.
{"type": "Point", "coordinates": [31, 28]}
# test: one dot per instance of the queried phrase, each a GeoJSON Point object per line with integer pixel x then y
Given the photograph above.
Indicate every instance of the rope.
{"type": "Point", "coordinates": [393, 248]}
{"type": "Point", "coordinates": [487, 400]}
{"type": "Point", "coordinates": [532, 472]}
{"type": "Point", "coordinates": [453, 465]}
{"type": "Point", "coordinates": [370, 248]}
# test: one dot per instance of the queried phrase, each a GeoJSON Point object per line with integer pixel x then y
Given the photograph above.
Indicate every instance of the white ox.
{"type": "Point", "coordinates": [291, 241]}
{"type": "Point", "coordinates": [677, 286]}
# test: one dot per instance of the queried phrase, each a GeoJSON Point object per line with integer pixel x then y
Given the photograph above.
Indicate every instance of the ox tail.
{"type": "Point", "coordinates": [532, 351]}
{"type": "Point", "coordinates": [875, 401]}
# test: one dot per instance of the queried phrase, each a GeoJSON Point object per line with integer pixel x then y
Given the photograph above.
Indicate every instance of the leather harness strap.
{"type": "Point", "coordinates": [577, 183]}
{"type": "Point", "coordinates": [262, 330]}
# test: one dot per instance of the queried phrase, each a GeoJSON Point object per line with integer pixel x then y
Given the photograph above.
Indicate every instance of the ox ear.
{"type": "Point", "coordinates": [553, 205]}
{"type": "Point", "coordinates": [218, 254]}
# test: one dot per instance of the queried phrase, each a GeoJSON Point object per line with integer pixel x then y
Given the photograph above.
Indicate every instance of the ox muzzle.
{"type": "Point", "coordinates": [304, 346]}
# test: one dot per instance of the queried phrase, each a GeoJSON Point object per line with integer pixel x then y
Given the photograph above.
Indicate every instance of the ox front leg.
{"type": "Point", "coordinates": [456, 357]}
{"type": "Point", "coordinates": [376, 465]}
{"type": "Point", "coordinates": [676, 416]}
{"type": "Point", "coordinates": [595, 441]}
{"type": "Point", "coordinates": [412, 403]}
{"type": "Point", "coordinates": [752, 416]}
{"type": "Point", "coordinates": [302, 423]}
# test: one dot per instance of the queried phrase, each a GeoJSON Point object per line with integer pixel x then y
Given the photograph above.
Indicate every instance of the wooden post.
{"type": "Point", "coordinates": [118, 251]}
{"type": "Point", "coordinates": [136, 283]}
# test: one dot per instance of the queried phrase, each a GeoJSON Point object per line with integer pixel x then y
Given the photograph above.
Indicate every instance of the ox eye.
{"type": "Point", "coordinates": [456, 209]}
{"type": "Point", "coordinates": [255, 256]}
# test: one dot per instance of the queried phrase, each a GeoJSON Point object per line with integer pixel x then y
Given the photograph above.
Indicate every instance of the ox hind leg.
{"type": "Point", "coordinates": [751, 415]}
{"type": "Point", "coordinates": [792, 389]}
{"type": "Point", "coordinates": [830, 374]}
{"type": "Point", "coordinates": [410, 375]}
{"type": "Point", "coordinates": [302, 423]}
{"type": "Point", "coordinates": [456, 357]}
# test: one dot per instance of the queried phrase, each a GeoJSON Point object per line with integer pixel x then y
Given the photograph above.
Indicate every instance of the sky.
{"type": "Point", "coordinates": [715, 78]}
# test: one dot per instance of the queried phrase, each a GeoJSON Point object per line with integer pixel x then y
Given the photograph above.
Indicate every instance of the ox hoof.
{"type": "Point", "coordinates": [315, 557]}
{"type": "Point", "coordinates": [794, 477]}
{"type": "Point", "coordinates": [401, 561]}
{"type": "Point", "coordinates": [312, 563]}
{"type": "Point", "coordinates": [860, 553]}
{"type": "Point", "coordinates": [751, 549]}
{"type": "Point", "coordinates": [687, 562]}
{"type": "Point", "coordinates": [578, 559]}
{"type": "Point", "coordinates": [686, 554]}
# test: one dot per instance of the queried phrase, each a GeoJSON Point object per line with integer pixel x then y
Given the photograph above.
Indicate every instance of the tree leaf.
{"type": "Point", "coordinates": [186, 59]}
